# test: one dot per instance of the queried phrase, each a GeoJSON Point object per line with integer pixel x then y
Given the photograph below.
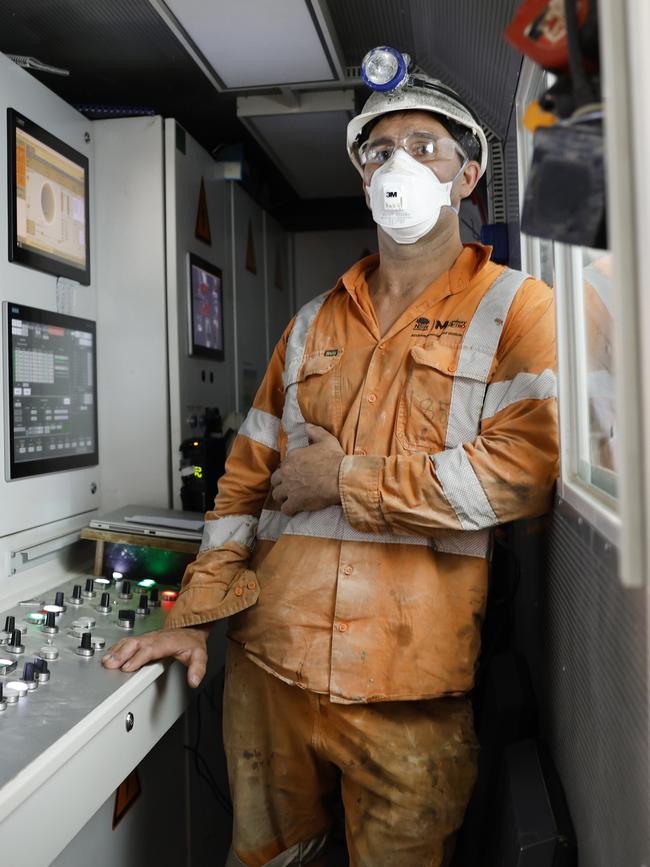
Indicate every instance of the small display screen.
{"type": "Point", "coordinates": [206, 303]}
{"type": "Point", "coordinates": [48, 201]}
{"type": "Point", "coordinates": [51, 391]}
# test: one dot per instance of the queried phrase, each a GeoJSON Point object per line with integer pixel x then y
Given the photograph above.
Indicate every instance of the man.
{"type": "Point", "coordinates": [402, 415]}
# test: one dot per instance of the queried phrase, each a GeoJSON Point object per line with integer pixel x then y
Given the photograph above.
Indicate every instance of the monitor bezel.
{"type": "Point", "coordinates": [195, 350]}
{"type": "Point", "coordinates": [24, 255]}
{"type": "Point", "coordinates": [42, 466]}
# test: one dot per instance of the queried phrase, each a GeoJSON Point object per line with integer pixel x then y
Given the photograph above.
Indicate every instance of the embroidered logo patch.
{"type": "Point", "coordinates": [422, 324]}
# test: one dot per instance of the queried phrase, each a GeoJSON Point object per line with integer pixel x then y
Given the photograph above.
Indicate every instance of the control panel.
{"type": "Point", "coordinates": [51, 675]}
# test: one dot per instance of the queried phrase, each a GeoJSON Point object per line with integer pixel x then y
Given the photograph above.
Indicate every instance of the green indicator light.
{"type": "Point", "coordinates": [35, 617]}
{"type": "Point", "coordinates": [147, 582]}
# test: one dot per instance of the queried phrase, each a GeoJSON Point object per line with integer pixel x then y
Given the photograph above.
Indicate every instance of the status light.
{"type": "Point", "coordinates": [195, 443]}
{"type": "Point", "coordinates": [35, 617]}
{"type": "Point", "coordinates": [198, 472]}
{"type": "Point", "coordinates": [169, 595]}
{"type": "Point", "coordinates": [117, 576]}
{"type": "Point", "coordinates": [147, 582]}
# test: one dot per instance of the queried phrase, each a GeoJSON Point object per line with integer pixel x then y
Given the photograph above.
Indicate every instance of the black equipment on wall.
{"type": "Point", "coordinates": [203, 460]}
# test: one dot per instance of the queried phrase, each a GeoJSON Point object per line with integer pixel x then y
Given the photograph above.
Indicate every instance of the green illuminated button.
{"type": "Point", "coordinates": [147, 582]}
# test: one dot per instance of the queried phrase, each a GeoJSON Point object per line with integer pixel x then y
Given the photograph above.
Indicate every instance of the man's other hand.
{"type": "Point", "coordinates": [308, 478]}
{"type": "Point", "coordinates": [187, 645]}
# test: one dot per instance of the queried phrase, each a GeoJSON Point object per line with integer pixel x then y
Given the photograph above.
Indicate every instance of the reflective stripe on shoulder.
{"type": "Point", "coordinates": [525, 386]}
{"type": "Point", "coordinates": [261, 427]}
{"type": "Point", "coordinates": [479, 347]}
{"type": "Point", "coordinates": [463, 490]}
{"type": "Point", "coordinates": [292, 418]}
{"type": "Point", "coordinates": [330, 523]}
{"type": "Point", "coordinates": [230, 528]}
{"type": "Point", "coordinates": [299, 855]}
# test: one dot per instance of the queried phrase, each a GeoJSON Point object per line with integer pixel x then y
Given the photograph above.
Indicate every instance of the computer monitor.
{"type": "Point", "coordinates": [50, 391]}
{"type": "Point", "coordinates": [48, 201]}
{"type": "Point", "coordinates": [206, 309]}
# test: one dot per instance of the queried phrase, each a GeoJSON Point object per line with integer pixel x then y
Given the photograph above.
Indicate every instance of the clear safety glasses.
{"type": "Point", "coordinates": [422, 146]}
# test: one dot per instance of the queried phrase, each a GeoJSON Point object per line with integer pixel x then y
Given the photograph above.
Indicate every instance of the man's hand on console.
{"type": "Point", "coordinates": [187, 644]}
{"type": "Point", "coordinates": [308, 478]}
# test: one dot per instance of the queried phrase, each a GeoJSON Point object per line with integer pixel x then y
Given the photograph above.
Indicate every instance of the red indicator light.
{"type": "Point", "coordinates": [169, 595]}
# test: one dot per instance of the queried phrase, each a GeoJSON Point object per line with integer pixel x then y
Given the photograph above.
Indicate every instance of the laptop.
{"type": "Point", "coordinates": [150, 521]}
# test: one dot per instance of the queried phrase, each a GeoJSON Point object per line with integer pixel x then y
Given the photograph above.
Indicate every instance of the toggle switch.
{"type": "Point", "coordinates": [28, 676]}
{"type": "Point", "coordinates": [125, 592]}
{"type": "Point", "coordinates": [98, 642]}
{"type": "Point", "coordinates": [85, 648]}
{"type": "Point", "coordinates": [89, 590]}
{"type": "Point", "coordinates": [143, 605]}
{"type": "Point", "coordinates": [104, 606]}
{"type": "Point", "coordinates": [154, 601]}
{"type": "Point", "coordinates": [50, 627]}
{"type": "Point", "coordinates": [7, 666]}
{"type": "Point", "coordinates": [10, 623]}
{"type": "Point", "coordinates": [126, 619]}
{"type": "Point", "coordinates": [15, 642]}
{"type": "Point", "coordinates": [76, 599]}
{"type": "Point", "coordinates": [41, 670]}
{"type": "Point", "coordinates": [3, 703]}
{"type": "Point", "coordinates": [59, 600]}
{"type": "Point", "coordinates": [49, 652]}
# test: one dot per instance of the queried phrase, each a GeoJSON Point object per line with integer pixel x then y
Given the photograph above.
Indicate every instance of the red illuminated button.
{"type": "Point", "coordinates": [169, 595]}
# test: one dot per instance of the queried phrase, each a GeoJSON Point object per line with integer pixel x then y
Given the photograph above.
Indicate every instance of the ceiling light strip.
{"type": "Point", "coordinates": [329, 40]}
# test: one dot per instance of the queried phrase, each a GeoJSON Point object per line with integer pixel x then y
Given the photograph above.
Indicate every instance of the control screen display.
{"type": "Point", "coordinates": [206, 309]}
{"type": "Point", "coordinates": [50, 201]}
{"type": "Point", "coordinates": [52, 393]}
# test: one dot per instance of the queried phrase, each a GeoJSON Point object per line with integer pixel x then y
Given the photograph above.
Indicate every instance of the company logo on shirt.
{"type": "Point", "coordinates": [423, 324]}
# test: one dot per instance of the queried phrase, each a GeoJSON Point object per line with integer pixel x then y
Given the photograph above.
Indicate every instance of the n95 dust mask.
{"type": "Point", "coordinates": [406, 197]}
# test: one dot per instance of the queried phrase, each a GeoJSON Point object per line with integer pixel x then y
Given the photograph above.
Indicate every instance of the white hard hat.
{"type": "Point", "coordinates": [421, 93]}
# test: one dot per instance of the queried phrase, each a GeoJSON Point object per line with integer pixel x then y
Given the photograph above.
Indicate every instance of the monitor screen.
{"type": "Point", "coordinates": [51, 391]}
{"type": "Point", "coordinates": [48, 202]}
{"type": "Point", "coordinates": [206, 309]}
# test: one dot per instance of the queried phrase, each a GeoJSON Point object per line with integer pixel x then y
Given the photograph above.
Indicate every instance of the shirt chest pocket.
{"type": "Point", "coordinates": [317, 388]}
{"type": "Point", "coordinates": [441, 402]}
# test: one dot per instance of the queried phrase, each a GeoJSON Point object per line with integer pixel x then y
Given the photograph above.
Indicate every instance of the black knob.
{"type": "Point", "coordinates": [28, 671]}
{"type": "Point", "coordinates": [44, 669]}
{"type": "Point", "coordinates": [126, 586]}
{"type": "Point", "coordinates": [86, 641]}
{"type": "Point", "coordinates": [0, 691]}
{"type": "Point", "coordinates": [153, 594]}
{"type": "Point", "coordinates": [106, 600]}
{"type": "Point", "coordinates": [90, 585]}
{"type": "Point", "coordinates": [16, 638]}
{"type": "Point", "coordinates": [50, 619]}
{"type": "Point", "coordinates": [76, 592]}
{"type": "Point", "coordinates": [10, 623]}
{"type": "Point", "coordinates": [144, 601]}
{"type": "Point", "coordinates": [38, 663]}
{"type": "Point", "coordinates": [58, 599]}
{"type": "Point", "coordinates": [126, 615]}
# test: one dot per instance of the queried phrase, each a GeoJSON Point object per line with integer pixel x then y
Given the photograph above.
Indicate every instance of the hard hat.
{"type": "Point", "coordinates": [412, 92]}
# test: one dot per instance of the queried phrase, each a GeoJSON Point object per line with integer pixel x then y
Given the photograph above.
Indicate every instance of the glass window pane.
{"type": "Point", "coordinates": [598, 445]}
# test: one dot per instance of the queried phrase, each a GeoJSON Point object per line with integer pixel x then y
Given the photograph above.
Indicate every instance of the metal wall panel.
{"type": "Point", "coordinates": [584, 636]}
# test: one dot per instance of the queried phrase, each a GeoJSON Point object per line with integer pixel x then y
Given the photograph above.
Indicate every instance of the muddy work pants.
{"type": "Point", "coordinates": [406, 772]}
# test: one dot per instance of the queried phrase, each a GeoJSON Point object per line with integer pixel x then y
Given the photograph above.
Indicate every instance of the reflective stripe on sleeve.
{"type": "Point", "coordinates": [463, 489]}
{"type": "Point", "coordinates": [330, 523]}
{"type": "Point", "coordinates": [525, 386]}
{"type": "Point", "coordinates": [293, 421]}
{"type": "Point", "coordinates": [261, 427]}
{"type": "Point", "coordinates": [476, 356]}
{"type": "Point", "coordinates": [230, 528]}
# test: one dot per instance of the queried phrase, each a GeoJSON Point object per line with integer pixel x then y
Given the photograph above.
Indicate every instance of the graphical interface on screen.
{"type": "Point", "coordinates": [207, 309]}
{"type": "Point", "coordinates": [52, 393]}
{"type": "Point", "coordinates": [49, 210]}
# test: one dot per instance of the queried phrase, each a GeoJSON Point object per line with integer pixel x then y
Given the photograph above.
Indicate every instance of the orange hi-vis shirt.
{"type": "Point", "coordinates": [449, 425]}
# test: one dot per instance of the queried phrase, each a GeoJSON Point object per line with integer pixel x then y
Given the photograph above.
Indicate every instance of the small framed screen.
{"type": "Point", "coordinates": [50, 391]}
{"type": "Point", "coordinates": [48, 202]}
{"type": "Point", "coordinates": [206, 309]}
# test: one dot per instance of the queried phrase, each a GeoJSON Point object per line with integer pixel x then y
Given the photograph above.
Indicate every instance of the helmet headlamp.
{"type": "Point", "coordinates": [384, 68]}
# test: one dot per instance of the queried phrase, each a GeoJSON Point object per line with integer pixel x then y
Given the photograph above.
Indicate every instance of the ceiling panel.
{"type": "Point", "coordinates": [253, 43]}
{"type": "Point", "coordinates": [310, 149]}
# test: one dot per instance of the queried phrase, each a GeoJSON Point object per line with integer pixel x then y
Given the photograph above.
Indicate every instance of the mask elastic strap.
{"type": "Point", "coordinates": [453, 181]}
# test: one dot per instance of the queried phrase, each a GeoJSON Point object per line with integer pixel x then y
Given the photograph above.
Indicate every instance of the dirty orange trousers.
{"type": "Point", "coordinates": [406, 771]}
